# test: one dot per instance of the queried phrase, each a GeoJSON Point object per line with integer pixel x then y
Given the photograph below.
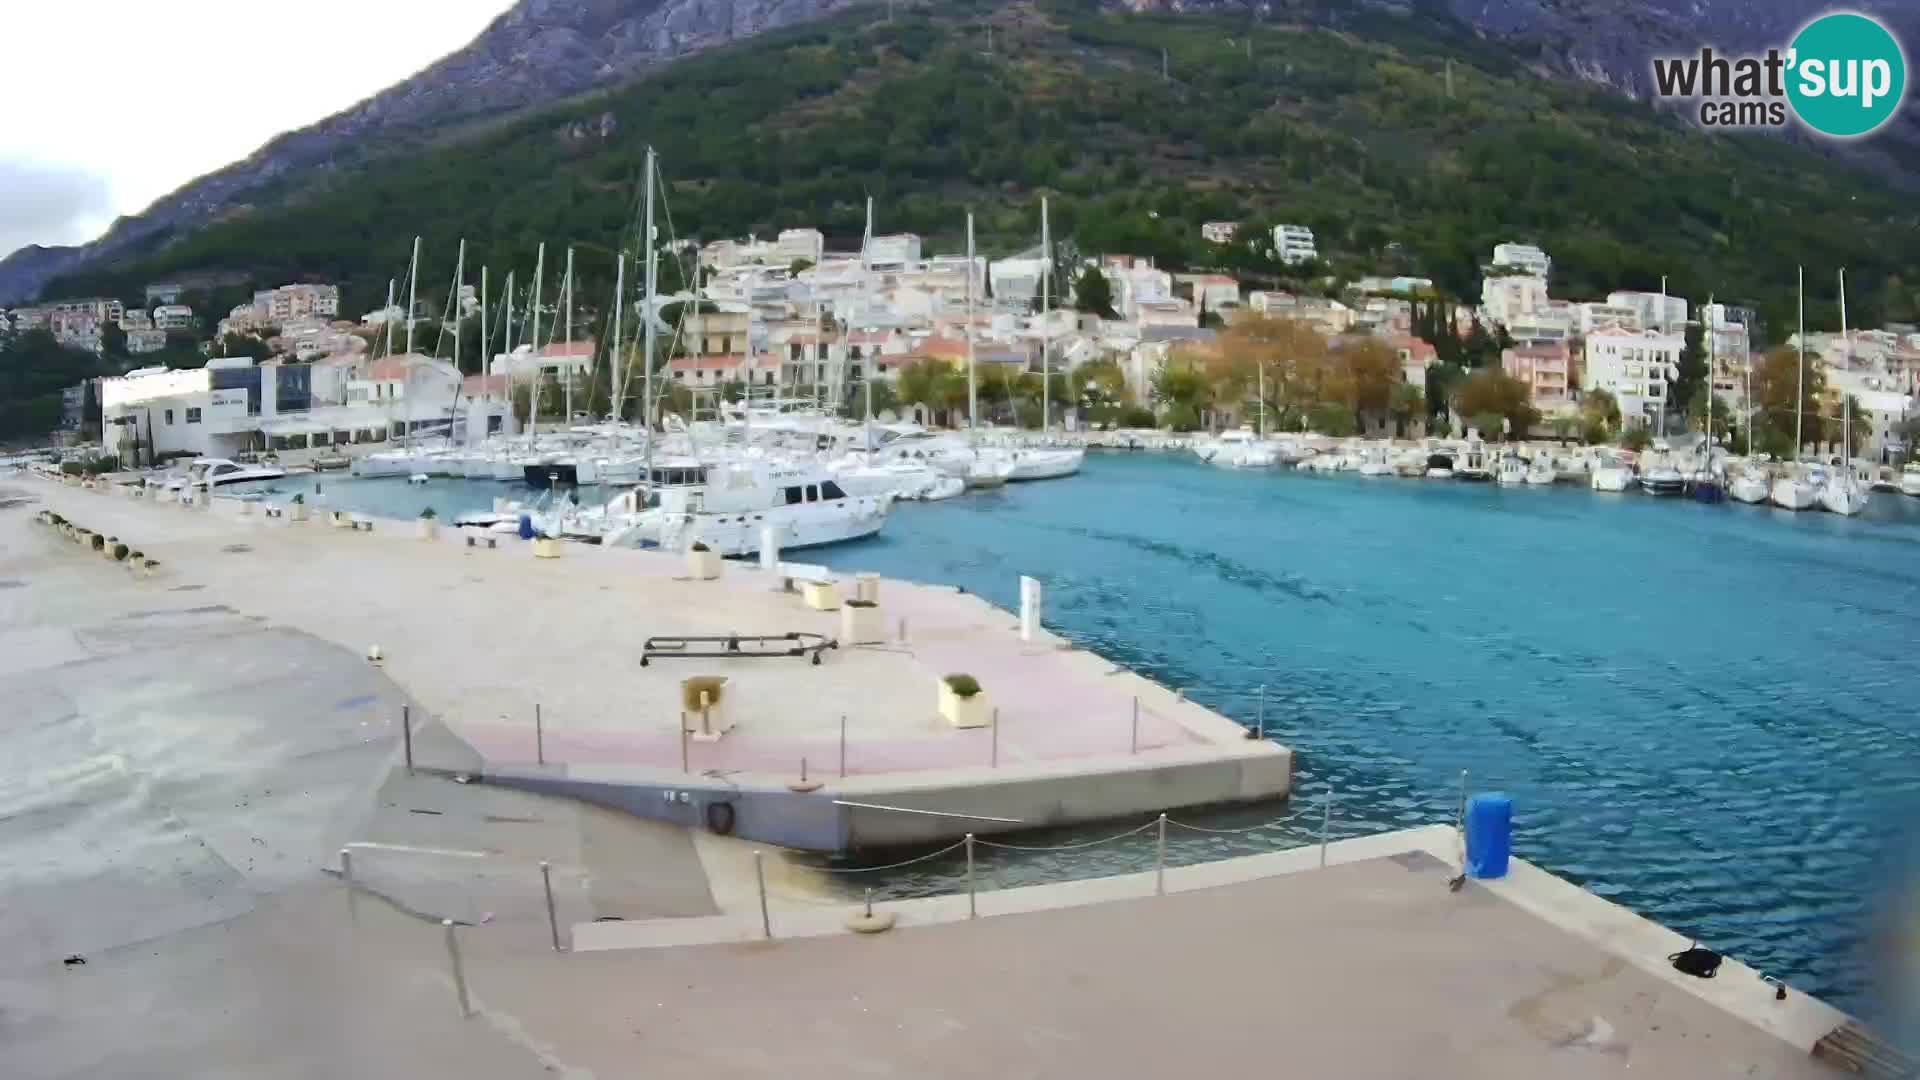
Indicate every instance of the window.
{"type": "Point", "coordinates": [193, 416]}
{"type": "Point", "coordinates": [169, 417]}
{"type": "Point", "coordinates": [813, 493]}
{"type": "Point", "coordinates": [831, 490]}
{"type": "Point", "coordinates": [793, 496]}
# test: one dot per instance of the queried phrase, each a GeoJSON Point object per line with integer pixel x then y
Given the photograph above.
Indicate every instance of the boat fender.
{"type": "Point", "coordinates": [720, 817]}
{"type": "Point", "coordinates": [1696, 961]}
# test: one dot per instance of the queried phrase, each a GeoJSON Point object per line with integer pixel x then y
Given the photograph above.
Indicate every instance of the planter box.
{"type": "Point", "coordinates": [862, 625]}
{"type": "Point", "coordinates": [426, 528]}
{"type": "Point", "coordinates": [866, 587]}
{"type": "Point", "coordinates": [546, 547]}
{"type": "Point", "coordinates": [703, 565]}
{"type": "Point", "coordinates": [821, 595]}
{"type": "Point", "coordinates": [296, 511]}
{"type": "Point", "coordinates": [340, 519]}
{"type": "Point", "coordinates": [967, 712]}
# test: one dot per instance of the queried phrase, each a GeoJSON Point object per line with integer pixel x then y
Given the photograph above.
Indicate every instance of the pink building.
{"type": "Point", "coordinates": [1546, 368]}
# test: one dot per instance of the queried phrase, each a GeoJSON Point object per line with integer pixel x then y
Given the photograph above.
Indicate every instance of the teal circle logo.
{"type": "Point", "coordinates": [1847, 75]}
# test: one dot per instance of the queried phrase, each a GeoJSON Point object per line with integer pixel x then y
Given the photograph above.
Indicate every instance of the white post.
{"type": "Point", "coordinates": [652, 279]}
{"type": "Point", "coordinates": [459, 972]}
{"type": "Point", "coordinates": [1046, 336]}
{"type": "Point", "coordinates": [1029, 608]}
{"type": "Point", "coordinates": [346, 875]}
{"type": "Point", "coordinates": [769, 549]}
{"type": "Point", "coordinates": [569, 358]}
{"type": "Point", "coordinates": [413, 284]}
{"type": "Point", "coordinates": [613, 358]}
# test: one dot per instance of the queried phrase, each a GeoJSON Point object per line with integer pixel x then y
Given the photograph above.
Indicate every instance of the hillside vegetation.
{"type": "Point", "coordinates": [1349, 130]}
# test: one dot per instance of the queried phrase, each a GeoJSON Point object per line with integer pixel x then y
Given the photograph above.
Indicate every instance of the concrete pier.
{"type": "Point", "coordinates": [481, 637]}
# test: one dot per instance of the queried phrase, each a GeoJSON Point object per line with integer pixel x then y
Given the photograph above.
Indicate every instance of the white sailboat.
{"type": "Point", "coordinates": [1910, 479]}
{"type": "Point", "coordinates": [1794, 488]}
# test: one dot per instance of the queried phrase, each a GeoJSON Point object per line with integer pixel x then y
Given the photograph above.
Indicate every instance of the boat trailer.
{"type": "Point", "coordinates": [737, 647]}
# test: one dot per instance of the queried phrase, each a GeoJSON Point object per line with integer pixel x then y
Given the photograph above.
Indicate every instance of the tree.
{"type": "Point", "coordinates": [1493, 392]}
{"type": "Point", "coordinates": [1093, 293]}
{"type": "Point", "coordinates": [1333, 419]}
{"type": "Point", "coordinates": [1409, 403]}
{"type": "Point", "coordinates": [1693, 368]}
{"type": "Point", "coordinates": [1364, 375]}
{"type": "Point", "coordinates": [113, 340]}
{"type": "Point", "coordinates": [1183, 392]}
{"type": "Point", "coordinates": [1776, 384]}
{"type": "Point", "coordinates": [1442, 379]}
{"type": "Point", "coordinates": [799, 266]}
{"type": "Point", "coordinates": [921, 383]}
{"type": "Point", "coordinates": [1599, 417]}
{"type": "Point", "coordinates": [245, 345]}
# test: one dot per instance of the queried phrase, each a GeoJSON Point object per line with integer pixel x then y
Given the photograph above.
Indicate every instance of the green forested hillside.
{"type": "Point", "coordinates": [1350, 130]}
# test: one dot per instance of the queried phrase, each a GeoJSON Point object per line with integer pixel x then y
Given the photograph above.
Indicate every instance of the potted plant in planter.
{"type": "Point", "coordinates": [119, 552]}
{"type": "Point", "coordinates": [706, 710]}
{"type": "Point", "coordinates": [136, 560]}
{"type": "Point", "coordinates": [963, 704]}
{"type": "Point", "coordinates": [861, 623]}
{"type": "Point", "coordinates": [427, 527]}
{"type": "Point", "coordinates": [703, 563]}
{"type": "Point", "coordinates": [340, 519]}
{"type": "Point", "coordinates": [546, 547]}
{"type": "Point", "coordinates": [297, 509]}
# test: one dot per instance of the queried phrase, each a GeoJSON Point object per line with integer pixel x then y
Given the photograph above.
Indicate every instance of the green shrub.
{"type": "Point", "coordinates": [429, 514]}
{"type": "Point", "coordinates": [120, 552]}
{"type": "Point", "coordinates": [964, 686]}
{"type": "Point", "coordinates": [698, 546]}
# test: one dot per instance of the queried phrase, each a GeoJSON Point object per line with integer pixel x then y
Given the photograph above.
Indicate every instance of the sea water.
{"type": "Point", "coordinates": [1705, 713]}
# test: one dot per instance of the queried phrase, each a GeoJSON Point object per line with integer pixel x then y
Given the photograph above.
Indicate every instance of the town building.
{"type": "Point", "coordinates": [1217, 293]}
{"type": "Point", "coordinates": [1635, 367]}
{"type": "Point", "coordinates": [145, 339]}
{"type": "Point", "coordinates": [173, 317]}
{"type": "Point", "coordinates": [1656, 311]}
{"type": "Point", "coordinates": [1293, 244]}
{"type": "Point", "coordinates": [1591, 315]}
{"type": "Point", "coordinates": [1509, 298]}
{"type": "Point", "coordinates": [165, 292]}
{"type": "Point", "coordinates": [1219, 232]}
{"type": "Point", "coordinates": [1546, 369]}
{"type": "Point", "coordinates": [795, 244]}
{"type": "Point", "coordinates": [1415, 356]}
{"type": "Point", "coordinates": [1525, 258]}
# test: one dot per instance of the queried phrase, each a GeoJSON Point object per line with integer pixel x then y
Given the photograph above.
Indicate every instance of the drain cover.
{"type": "Point", "coordinates": [237, 549]}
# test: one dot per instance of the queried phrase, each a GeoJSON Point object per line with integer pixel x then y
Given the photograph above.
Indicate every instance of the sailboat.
{"type": "Point", "coordinates": [1709, 485]}
{"type": "Point", "coordinates": [1795, 488]}
{"type": "Point", "coordinates": [1845, 494]}
{"type": "Point", "coordinates": [1046, 464]}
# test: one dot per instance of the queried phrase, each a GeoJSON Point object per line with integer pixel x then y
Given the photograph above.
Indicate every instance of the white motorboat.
{"type": "Point", "coordinates": [1910, 479]}
{"type": "Point", "coordinates": [805, 506]}
{"type": "Point", "coordinates": [1473, 465]}
{"type": "Point", "coordinates": [898, 479]}
{"type": "Point", "coordinates": [220, 472]}
{"type": "Point", "coordinates": [1374, 462]}
{"type": "Point", "coordinates": [1660, 476]}
{"type": "Point", "coordinates": [1511, 470]}
{"type": "Point", "coordinates": [1411, 462]}
{"type": "Point", "coordinates": [1046, 464]}
{"type": "Point", "coordinates": [1440, 465]}
{"type": "Point", "coordinates": [1749, 485]}
{"type": "Point", "coordinates": [1610, 472]}
{"type": "Point", "coordinates": [1798, 488]}
{"type": "Point", "coordinates": [1541, 471]}
{"type": "Point", "coordinates": [1238, 449]}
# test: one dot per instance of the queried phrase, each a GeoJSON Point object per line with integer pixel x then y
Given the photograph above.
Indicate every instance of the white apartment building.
{"type": "Point", "coordinates": [145, 339]}
{"type": "Point", "coordinates": [173, 317]}
{"type": "Point", "coordinates": [808, 244]}
{"type": "Point", "coordinates": [297, 302]}
{"type": "Point", "coordinates": [1212, 292]}
{"type": "Point", "coordinates": [1293, 244]}
{"type": "Point", "coordinates": [897, 250]}
{"type": "Point", "coordinates": [1524, 257]}
{"type": "Point", "coordinates": [1656, 311]}
{"type": "Point", "coordinates": [1591, 315]}
{"type": "Point", "coordinates": [1218, 232]}
{"type": "Point", "coordinates": [1635, 367]}
{"type": "Point", "coordinates": [99, 309]}
{"type": "Point", "coordinates": [1509, 298]}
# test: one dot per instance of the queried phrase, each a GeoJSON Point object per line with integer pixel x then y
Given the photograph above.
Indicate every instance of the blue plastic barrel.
{"type": "Point", "coordinates": [526, 526]}
{"type": "Point", "coordinates": [1489, 834]}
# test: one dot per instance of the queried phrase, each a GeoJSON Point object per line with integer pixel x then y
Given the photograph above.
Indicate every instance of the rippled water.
{"type": "Point", "coordinates": [1705, 713]}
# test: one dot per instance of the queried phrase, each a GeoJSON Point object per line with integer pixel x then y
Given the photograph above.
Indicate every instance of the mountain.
{"type": "Point", "coordinates": [1407, 139]}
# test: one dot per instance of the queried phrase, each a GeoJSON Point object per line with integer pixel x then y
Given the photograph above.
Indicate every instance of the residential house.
{"type": "Point", "coordinates": [1211, 292]}
{"type": "Point", "coordinates": [1509, 298]}
{"type": "Point", "coordinates": [1293, 244]}
{"type": "Point", "coordinates": [1591, 315]}
{"type": "Point", "coordinates": [165, 292]}
{"type": "Point", "coordinates": [1546, 370]}
{"type": "Point", "coordinates": [1655, 310]}
{"type": "Point", "coordinates": [1524, 257]}
{"type": "Point", "coordinates": [795, 244]}
{"type": "Point", "coordinates": [897, 250]}
{"type": "Point", "coordinates": [1218, 232]}
{"type": "Point", "coordinates": [145, 339]}
{"type": "Point", "coordinates": [1635, 367]}
{"type": "Point", "coordinates": [136, 319]}
{"type": "Point", "coordinates": [173, 317]}
{"type": "Point", "coordinates": [1415, 355]}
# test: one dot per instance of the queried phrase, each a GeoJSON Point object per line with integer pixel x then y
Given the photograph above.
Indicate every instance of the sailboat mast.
{"type": "Point", "coordinates": [1800, 376]}
{"type": "Point", "coordinates": [459, 274]}
{"type": "Point", "coordinates": [569, 359]}
{"type": "Point", "coordinates": [1046, 305]}
{"type": "Point", "coordinates": [613, 358]}
{"type": "Point", "coordinates": [647, 320]}
{"type": "Point", "coordinates": [1712, 356]}
{"type": "Point", "coordinates": [389, 326]}
{"type": "Point", "coordinates": [507, 342]}
{"type": "Point", "coordinates": [973, 389]}
{"type": "Point", "coordinates": [539, 278]}
{"type": "Point", "coordinates": [1846, 399]}
{"type": "Point", "coordinates": [866, 281]}
{"type": "Point", "coordinates": [486, 342]}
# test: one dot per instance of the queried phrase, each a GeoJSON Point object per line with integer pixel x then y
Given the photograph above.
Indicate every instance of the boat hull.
{"type": "Point", "coordinates": [1792, 494]}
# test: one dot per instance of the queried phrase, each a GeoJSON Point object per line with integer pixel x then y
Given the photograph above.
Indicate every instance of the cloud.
{"type": "Point", "coordinates": [51, 204]}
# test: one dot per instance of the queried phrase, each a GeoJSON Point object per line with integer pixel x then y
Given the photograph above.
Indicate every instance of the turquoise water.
{"type": "Point", "coordinates": [1705, 713]}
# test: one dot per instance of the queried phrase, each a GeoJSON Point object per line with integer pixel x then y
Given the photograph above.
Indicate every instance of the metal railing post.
{"type": "Point", "coordinates": [995, 760]}
{"type": "Point", "coordinates": [1135, 747]}
{"type": "Point", "coordinates": [1260, 715]}
{"type": "Point", "coordinates": [1460, 817]}
{"type": "Point", "coordinates": [683, 743]}
{"type": "Point", "coordinates": [1160, 861]}
{"type": "Point", "coordinates": [539, 736]}
{"type": "Point", "coordinates": [459, 972]}
{"type": "Point", "coordinates": [406, 734]}
{"type": "Point", "coordinates": [1326, 819]}
{"type": "Point", "coordinates": [346, 875]}
{"type": "Point", "coordinates": [973, 909]}
{"type": "Point", "coordinates": [843, 746]}
{"type": "Point", "coordinates": [553, 919]}
{"type": "Point", "coordinates": [760, 875]}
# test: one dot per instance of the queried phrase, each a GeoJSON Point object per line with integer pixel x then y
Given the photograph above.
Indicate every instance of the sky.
{"type": "Point", "coordinates": [111, 104]}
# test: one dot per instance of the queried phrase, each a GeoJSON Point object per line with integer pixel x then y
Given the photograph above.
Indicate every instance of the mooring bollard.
{"type": "Point", "coordinates": [1160, 861]}
{"type": "Point", "coordinates": [1260, 714]}
{"type": "Point", "coordinates": [760, 874]}
{"type": "Point", "coordinates": [553, 919]}
{"type": "Point", "coordinates": [843, 746]}
{"type": "Point", "coordinates": [346, 875]}
{"type": "Point", "coordinates": [973, 910]}
{"type": "Point", "coordinates": [1326, 819]}
{"type": "Point", "coordinates": [406, 734]}
{"type": "Point", "coordinates": [459, 972]}
{"type": "Point", "coordinates": [539, 737]}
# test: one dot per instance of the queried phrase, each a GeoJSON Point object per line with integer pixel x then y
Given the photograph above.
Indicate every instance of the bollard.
{"type": "Point", "coordinates": [994, 759]}
{"type": "Point", "coordinates": [1029, 608]}
{"type": "Point", "coordinates": [683, 743]}
{"type": "Point", "coordinates": [539, 737]}
{"type": "Point", "coordinates": [869, 911]}
{"type": "Point", "coordinates": [803, 768]}
{"type": "Point", "coordinates": [346, 875]}
{"type": "Point", "coordinates": [903, 629]}
{"type": "Point", "coordinates": [459, 973]}
{"type": "Point", "coordinates": [1160, 861]}
{"type": "Point", "coordinates": [1326, 818]}
{"type": "Point", "coordinates": [1135, 748]}
{"type": "Point", "coordinates": [553, 919]}
{"type": "Point", "coordinates": [973, 911]}
{"type": "Point", "coordinates": [1260, 714]}
{"type": "Point", "coordinates": [760, 874]}
{"type": "Point", "coordinates": [406, 734]}
{"type": "Point", "coordinates": [843, 746]}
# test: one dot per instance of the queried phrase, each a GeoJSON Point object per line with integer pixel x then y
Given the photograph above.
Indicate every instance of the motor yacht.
{"type": "Point", "coordinates": [803, 504]}
{"type": "Point", "coordinates": [220, 472]}
{"type": "Point", "coordinates": [1541, 471]}
{"type": "Point", "coordinates": [1511, 470]}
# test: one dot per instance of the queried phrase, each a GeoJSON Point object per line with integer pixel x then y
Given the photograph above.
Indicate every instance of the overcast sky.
{"type": "Point", "coordinates": [112, 104]}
